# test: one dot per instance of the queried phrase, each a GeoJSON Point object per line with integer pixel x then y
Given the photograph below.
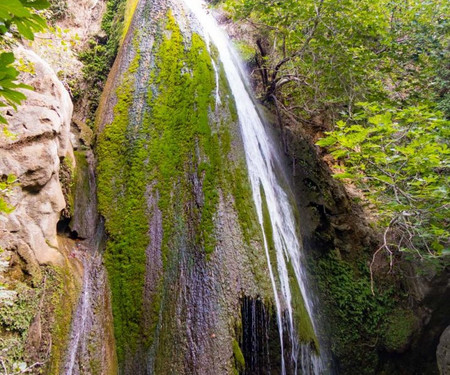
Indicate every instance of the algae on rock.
{"type": "Point", "coordinates": [168, 157]}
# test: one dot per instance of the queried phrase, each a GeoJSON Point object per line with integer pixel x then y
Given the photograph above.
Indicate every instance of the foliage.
{"type": "Point", "coordinates": [17, 316]}
{"type": "Point", "coordinates": [443, 82]}
{"type": "Point", "coordinates": [58, 9]}
{"type": "Point", "coordinates": [5, 188]}
{"type": "Point", "coordinates": [400, 325]}
{"type": "Point", "coordinates": [18, 19]}
{"type": "Point", "coordinates": [9, 94]}
{"type": "Point", "coordinates": [99, 57]}
{"type": "Point", "coordinates": [317, 59]}
{"type": "Point", "coordinates": [356, 319]}
{"type": "Point", "coordinates": [400, 159]}
{"type": "Point", "coordinates": [320, 57]}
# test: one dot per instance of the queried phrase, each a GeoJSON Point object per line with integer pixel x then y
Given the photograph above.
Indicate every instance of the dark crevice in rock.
{"type": "Point", "coordinates": [63, 229]}
{"type": "Point", "coordinates": [259, 340]}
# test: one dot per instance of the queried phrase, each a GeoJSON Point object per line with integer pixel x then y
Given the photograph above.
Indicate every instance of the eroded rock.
{"type": "Point", "coordinates": [40, 140]}
{"type": "Point", "coordinates": [443, 353]}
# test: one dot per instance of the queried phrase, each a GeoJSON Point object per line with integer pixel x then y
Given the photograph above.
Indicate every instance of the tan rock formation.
{"type": "Point", "coordinates": [40, 127]}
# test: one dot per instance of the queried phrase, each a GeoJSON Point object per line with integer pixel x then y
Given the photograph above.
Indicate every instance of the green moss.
{"type": "Point", "coordinates": [238, 357]}
{"type": "Point", "coordinates": [267, 226]}
{"type": "Point", "coordinates": [99, 57]}
{"type": "Point", "coordinates": [182, 141]}
{"type": "Point", "coordinates": [401, 324]}
{"type": "Point", "coordinates": [355, 318]}
{"type": "Point", "coordinates": [62, 292]}
{"type": "Point", "coordinates": [228, 99]}
{"type": "Point", "coordinates": [171, 148]}
{"type": "Point", "coordinates": [121, 189]}
{"type": "Point", "coordinates": [304, 327]}
{"type": "Point", "coordinates": [302, 319]}
{"type": "Point", "coordinates": [81, 178]}
{"type": "Point", "coordinates": [237, 178]}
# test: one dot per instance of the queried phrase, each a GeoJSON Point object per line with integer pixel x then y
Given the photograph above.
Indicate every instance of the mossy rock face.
{"type": "Point", "coordinates": [173, 188]}
{"type": "Point", "coordinates": [184, 242]}
{"type": "Point", "coordinates": [355, 318]}
{"type": "Point", "coordinates": [239, 357]}
{"type": "Point", "coordinates": [303, 324]}
{"type": "Point", "coordinates": [60, 304]}
{"type": "Point", "coordinates": [401, 325]}
{"type": "Point", "coordinates": [35, 320]}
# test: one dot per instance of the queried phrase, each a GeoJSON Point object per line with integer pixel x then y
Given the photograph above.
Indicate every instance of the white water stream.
{"type": "Point", "coordinates": [261, 160]}
{"type": "Point", "coordinates": [80, 319]}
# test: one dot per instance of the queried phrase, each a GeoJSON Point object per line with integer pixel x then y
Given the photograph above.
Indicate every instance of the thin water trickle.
{"type": "Point", "coordinates": [261, 161]}
{"type": "Point", "coordinates": [216, 72]}
{"type": "Point", "coordinates": [79, 323]}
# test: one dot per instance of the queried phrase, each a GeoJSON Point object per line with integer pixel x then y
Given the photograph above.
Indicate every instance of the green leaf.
{"type": "Point", "coordinates": [9, 8]}
{"type": "Point", "coordinates": [326, 141]}
{"type": "Point", "coordinates": [341, 176]}
{"type": "Point", "coordinates": [6, 58]}
{"type": "Point", "coordinates": [36, 4]}
{"type": "Point", "coordinates": [25, 28]}
{"type": "Point", "coordinates": [11, 179]}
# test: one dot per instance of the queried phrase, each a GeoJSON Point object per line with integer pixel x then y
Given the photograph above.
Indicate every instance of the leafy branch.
{"type": "Point", "coordinates": [399, 158]}
{"type": "Point", "coordinates": [18, 19]}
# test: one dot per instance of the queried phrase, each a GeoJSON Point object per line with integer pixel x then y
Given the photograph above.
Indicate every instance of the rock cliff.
{"type": "Point", "coordinates": [39, 143]}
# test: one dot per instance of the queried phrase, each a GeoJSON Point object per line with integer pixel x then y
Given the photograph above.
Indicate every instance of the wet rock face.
{"type": "Point", "coordinates": [443, 353]}
{"type": "Point", "coordinates": [259, 338]}
{"type": "Point", "coordinates": [40, 140]}
{"type": "Point", "coordinates": [177, 203]}
{"type": "Point", "coordinates": [430, 292]}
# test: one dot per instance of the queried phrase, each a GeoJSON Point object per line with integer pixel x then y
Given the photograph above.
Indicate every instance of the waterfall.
{"type": "Point", "coordinates": [267, 189]}
{"type": "Point", "coordinates": [80, 321]}
{"type": "Point", "coordinates": [88, 327]}
{"type": "Point", "coordinates": [90, 343]}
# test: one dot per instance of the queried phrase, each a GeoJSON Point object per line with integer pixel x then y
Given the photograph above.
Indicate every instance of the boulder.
{"type": "Point", "coordinates": [443, 353]}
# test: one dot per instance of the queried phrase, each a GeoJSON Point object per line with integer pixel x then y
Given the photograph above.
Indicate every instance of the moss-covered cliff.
{"type": "Point", "coordinates": [184, 245]}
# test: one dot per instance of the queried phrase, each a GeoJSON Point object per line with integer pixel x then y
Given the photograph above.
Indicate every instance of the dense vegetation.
{"type": "Point", "coordinates": [375, 73]}
{"type": "Point", "coordinates": [373, 77]}
{"type": "Point", "coordinates": [99, 57]}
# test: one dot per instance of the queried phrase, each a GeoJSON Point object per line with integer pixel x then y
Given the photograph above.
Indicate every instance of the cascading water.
{"type": "Point", "coordinates": [82, 316]}
{"type": "Point", "coordinates": [90, 344]}
{"type": "Point", "coordinates": [267, 191]}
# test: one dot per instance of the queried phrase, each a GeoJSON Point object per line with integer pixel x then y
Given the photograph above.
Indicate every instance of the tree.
{"type": "Point", "coordinates": [317, 58]}
{"type": "Point", "coordinates": [400, 159]}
